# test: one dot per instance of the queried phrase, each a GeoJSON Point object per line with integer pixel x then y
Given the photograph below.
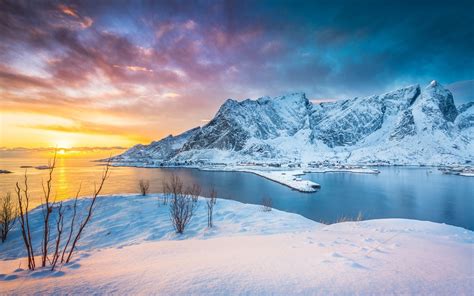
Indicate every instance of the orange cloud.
{"type": "Point", "coordinates": [134, 68]}
{"type": "Point", "coordinates": [86, 22]}
{"type": "Point", "coordinates": [68, 10]}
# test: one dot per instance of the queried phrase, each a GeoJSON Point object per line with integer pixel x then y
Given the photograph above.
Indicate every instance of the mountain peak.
{"type": "Point", "coordinates": [435, 85]}
{"type": "Point", "coordinates": [436, 95]}
{"type": "Point", "coordinates": [298, 97]}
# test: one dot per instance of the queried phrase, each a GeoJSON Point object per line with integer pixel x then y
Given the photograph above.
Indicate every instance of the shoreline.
{"type": "Point", "coordinates": [307, 186]}
{"type": "Point", "coordinates": [314, 186]}
{"type": "Point", "coordinates": [289, 177]}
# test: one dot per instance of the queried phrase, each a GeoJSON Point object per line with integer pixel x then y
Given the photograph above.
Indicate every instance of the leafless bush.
{"type": "Point", "coordinates": [71, 228]}
{"type": "Point", "coordinates": [144, 185]}
{"type": "Point", "coordinates": [23, 206]}
{"type": "Point", "coordinates": [350, 219]}
{"type": "Point", "coordinates": [47, 207]}
{"type": "Point", "coordinates": [166, 193]}
{"type": "Point", "coordinates": [194, 191]}
{"type": "Point", "coordinates": [171, 187]}
{"type": "Point", "coordinates": [8, 215]}
{"type": "Point", "coordinates": [182, 205]}
{"type": "Point", "coordinates": [211, 202]}
{"type": "Point", "coordinates": [59, 231]}
{"type": "Point", "coordinates": [86, 220]}
{"type": "Point", "coordinates": [266, 204]}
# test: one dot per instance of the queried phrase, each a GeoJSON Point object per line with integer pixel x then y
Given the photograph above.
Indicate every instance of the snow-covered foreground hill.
{"type": "Point", "coordinates": [409, 126]}
{"type": "Point", "coordinates": [130, 248]}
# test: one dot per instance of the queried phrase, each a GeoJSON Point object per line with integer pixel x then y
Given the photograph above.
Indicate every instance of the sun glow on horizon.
{"type": "Point", "coordinates": [34, 130]}
{"type": "Point", "coordinates": [63, 144]}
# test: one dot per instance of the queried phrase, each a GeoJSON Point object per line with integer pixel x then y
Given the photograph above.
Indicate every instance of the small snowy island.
{"type": "Point", "coordinates": [289, 178]}
{"type": "Point", "coordinates": [130, 247]}
{"type": "Point", "coordinates": [466, 171]}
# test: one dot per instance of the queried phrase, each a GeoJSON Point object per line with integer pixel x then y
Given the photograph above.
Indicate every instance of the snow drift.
{"type": "Point", "coordinates": [130, 248]}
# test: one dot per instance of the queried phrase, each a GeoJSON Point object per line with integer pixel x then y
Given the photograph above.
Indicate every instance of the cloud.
{"type": "Point", "coordinates": [10, 79]}
{"type": "Point", "coordinates": [40, 149]}
{"type": "Point", "coordinates": [149, 61]}
{"type": "Point", "coordinates": [68, 10]}
{"type": "Point", "coordinates": [85, 22]}
{"type": "Point", "coordinates": [134, 68]}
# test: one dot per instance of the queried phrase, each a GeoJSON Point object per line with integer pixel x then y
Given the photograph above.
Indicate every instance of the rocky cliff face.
{"type": "Point", "coordinates": [465, 119]}
{"type": "Point", "coordinates": [347, 122]}
{"type": "Point", "coordinates": [237, 122]}
{"type": "Point", "coordinates": [412, 125]}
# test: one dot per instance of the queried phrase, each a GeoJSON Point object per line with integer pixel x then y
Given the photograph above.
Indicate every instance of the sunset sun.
{"type": "Point", "coordinates": [63, 144]}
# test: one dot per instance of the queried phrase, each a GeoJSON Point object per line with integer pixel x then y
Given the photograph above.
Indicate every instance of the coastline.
{"type": "Point", "coordinates": [289, 177]}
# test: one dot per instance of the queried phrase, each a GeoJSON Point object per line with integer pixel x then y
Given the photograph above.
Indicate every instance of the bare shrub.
{"type": "Point", "coordinates": [343, 219]}
{"type": "Point", "coordinates": [8, 215]}
{"type": "Point", "coordinates": [144, 186]}
{"type": "Point", "coordinates": [211, 202]}
{"type": "Point", "coordinates": [47, 208]}
{"type": "Point", "coordinates": [182, 206]}
{"type": "Point", "coordinates": [266, 204]}
{"type": "Point", "coordinates": [59, 231]}
{"type": "Point", "coordinates": [73, 220]}
{"type": "Point", "coordinates": [194, 191]}
{"type": "Point", "coordinates": [166, 193]}
{"type": "Point", "coordinates": [86, 220]}
{"type": "Point", "coordinates": [23, 206]}
{"type": "Point", "coordinates": [23, 217]}
{"type": "Point", "coordinates": [172, 187]}
{"type": "Point", "coordinates": [350, 219]}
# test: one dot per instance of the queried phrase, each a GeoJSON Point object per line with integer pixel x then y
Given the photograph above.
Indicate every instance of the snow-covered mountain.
{"type": "Point", "coordinates": [412, 125]}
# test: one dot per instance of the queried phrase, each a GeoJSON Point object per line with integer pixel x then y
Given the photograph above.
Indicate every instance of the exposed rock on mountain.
{"type": "Point", "coordinates": [411, 125]}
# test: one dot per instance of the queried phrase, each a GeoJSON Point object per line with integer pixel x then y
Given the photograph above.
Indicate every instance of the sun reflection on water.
{"type": "Point", "coordinates": [61, 180]}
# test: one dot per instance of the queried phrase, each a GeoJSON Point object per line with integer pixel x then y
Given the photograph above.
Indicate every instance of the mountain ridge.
{"type": "Point", "coordinates": [411, 125]}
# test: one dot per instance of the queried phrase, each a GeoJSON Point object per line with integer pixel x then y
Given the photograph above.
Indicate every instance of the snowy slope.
{"type": "Point", "coordinates": [412, 125]}
{"type": "Point", "coordinates": [130, 248]}
{"type": "Point", "coordinates": [161, 150]}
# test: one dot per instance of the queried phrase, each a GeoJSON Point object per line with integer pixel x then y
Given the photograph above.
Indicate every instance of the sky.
{"type": "Point", "coordinates": [117, 73]}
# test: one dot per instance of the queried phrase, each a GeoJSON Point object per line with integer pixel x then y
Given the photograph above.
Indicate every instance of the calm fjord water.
{"type": "Point", "coordinates": [397, 192]}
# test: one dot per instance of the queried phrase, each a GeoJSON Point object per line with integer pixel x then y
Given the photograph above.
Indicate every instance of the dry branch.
{"type": "Point", "coordinates": [47, 209]}
{"type": "Point", "coordinates": [59, 231]}
{"type": "Point", "coordinates": [182, 205]}
{"type": "Point", "coordinates": [144, 186]}
{"type": "Point", "coordinates": [71, 228]}
{"type": "Point", "coordinates": [83, 224]}
{"type": "Point", "coordinates": [23, 205]}
{"type": "Point", "coordinates": [8, 215]}
{"type": "Point", "coordinates": [266, 204]}
{"type": "Point", "coordinates": [211, 202]}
